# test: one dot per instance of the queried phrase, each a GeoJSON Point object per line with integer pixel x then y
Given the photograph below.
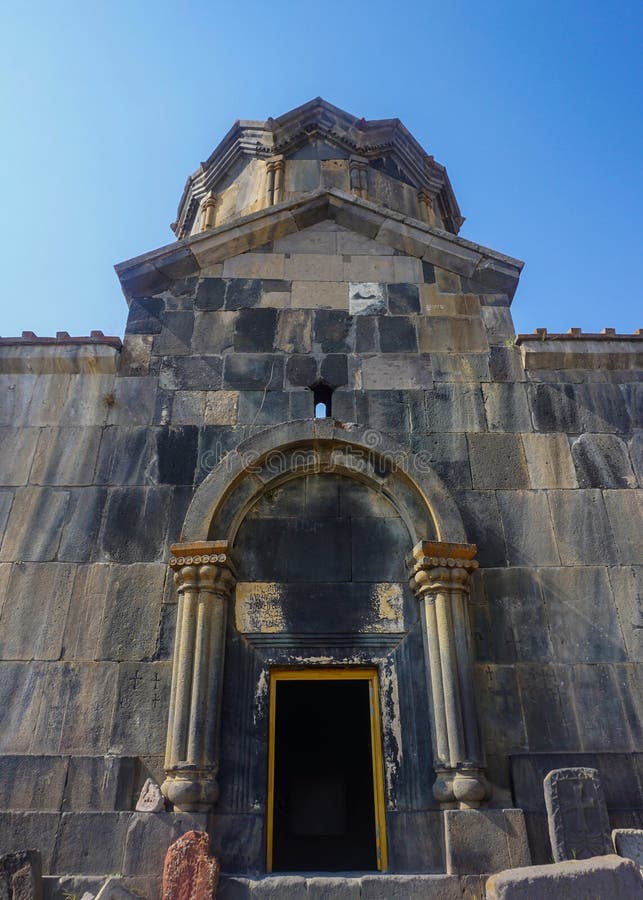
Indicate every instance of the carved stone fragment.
{"type": "Point", "coordinates": [577, 815]}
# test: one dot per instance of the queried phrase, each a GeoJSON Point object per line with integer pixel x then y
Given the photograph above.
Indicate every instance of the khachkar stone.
{"type": "Point", "coordinates": [579, 827]}
{"type": "Point", "coordinates": [189, 872]}
{"type": "Point", "coordinates": [204, 575]}
{"type": "Point", "coordinates": [440, 577]}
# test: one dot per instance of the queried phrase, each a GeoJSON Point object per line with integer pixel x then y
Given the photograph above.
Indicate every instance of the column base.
{"type": "Point", "coordinates": [190, 789]}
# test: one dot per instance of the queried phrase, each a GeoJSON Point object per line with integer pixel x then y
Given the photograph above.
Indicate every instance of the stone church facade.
{"type": "Point", "coordinates": [320, 502]}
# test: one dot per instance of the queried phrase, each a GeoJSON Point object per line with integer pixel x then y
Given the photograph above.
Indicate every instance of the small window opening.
{"type": "Point", "coordinates": [322, 396]}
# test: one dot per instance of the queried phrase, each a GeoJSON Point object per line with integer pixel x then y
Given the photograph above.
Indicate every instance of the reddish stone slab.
{"type": "Point", "coordinates": [189, 872]}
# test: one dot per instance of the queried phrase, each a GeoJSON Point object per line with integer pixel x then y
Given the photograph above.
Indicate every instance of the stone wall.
{"type": "Point", "coordinates": [542, 456]}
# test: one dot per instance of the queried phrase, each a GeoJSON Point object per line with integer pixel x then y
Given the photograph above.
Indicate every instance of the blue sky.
{"type": "Point", "coordinates": [534, 108]}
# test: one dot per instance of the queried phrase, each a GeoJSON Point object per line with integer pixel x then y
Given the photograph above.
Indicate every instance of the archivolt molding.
{"type": "Point", "coordinates": [288, 451]}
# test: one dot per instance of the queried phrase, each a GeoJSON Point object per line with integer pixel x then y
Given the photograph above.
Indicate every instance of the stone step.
{"type": "Point", "coordinates": [352, 886]}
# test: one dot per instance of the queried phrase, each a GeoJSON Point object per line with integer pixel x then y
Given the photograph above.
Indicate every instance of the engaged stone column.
{"type": "Point", "coordinates": [274, 186]}
{"type": "Point", "coordinates": [440, 575]}
{"type": "Point", "coordinates": [426, 206]}
{"type": "Point", "coordinates": [209, 212]}
{"type": "Point", "coordinates": [358, 172]}
{"type": "Point", "coordinates": [204, 575]}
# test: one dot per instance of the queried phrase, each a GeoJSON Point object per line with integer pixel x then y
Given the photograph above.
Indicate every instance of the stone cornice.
{"type": "Point", "coordinates": [153, 272]}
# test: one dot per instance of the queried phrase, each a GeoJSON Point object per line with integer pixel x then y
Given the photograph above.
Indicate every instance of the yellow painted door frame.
{"type": "Point", "coordinates": [333, 673]}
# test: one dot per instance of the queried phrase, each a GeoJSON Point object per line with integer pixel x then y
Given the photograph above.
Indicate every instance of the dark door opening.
{"type": "Point", "coordinates": [324, 815]}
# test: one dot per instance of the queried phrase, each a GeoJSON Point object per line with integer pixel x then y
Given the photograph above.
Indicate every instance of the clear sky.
{"type": "Point", "coordinates": [534, 108]}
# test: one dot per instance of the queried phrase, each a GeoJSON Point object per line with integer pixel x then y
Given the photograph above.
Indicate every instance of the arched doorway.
{"type": "Point", "coordinates": [299, 540]}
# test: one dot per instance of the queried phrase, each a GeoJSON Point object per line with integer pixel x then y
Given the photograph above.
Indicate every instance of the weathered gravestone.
{"type": "Point", "coordinates": [579, 827]}
{"type": "Point", "coordinates": [628, 842]}
{"type": "Point", "coordinates": [150, 798]}
{"type": "Point", "coordinates": [190, 873]}
{"type": "Point", "coordinates": [21, 876]}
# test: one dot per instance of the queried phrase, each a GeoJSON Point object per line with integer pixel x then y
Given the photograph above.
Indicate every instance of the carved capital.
{"type": "Point", "coordinates": [441, 566]}
{"type": "Point", "coordinates": [275, 163]}
{"type": "Point", "coordinates": [203, 566]}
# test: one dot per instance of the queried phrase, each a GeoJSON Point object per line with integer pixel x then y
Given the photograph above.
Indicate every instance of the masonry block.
{"type": "Point", "coordinates": [253, 371]}
{"type": "Point", "coordinates": [485, 840]}
{"type": "Point", "coordinates": [255, 330]}
{"type": "Point", "coordinates": [582, 528]}
{"type": "Point", "coordinates": [506, 407]}
{"type": "Point", "coordinates": [528, 529]}
{"type": "Point", "coordinates": [602, 461]}
{"type": "Point", "coordinates": [601, 876]}
{"type": "Point", "coordinates": [497, 462]}
{"type": "Point", "coordinates": [397, 334]}
{"type": "Point", "coordinates": [455, 407]}
{"type": "Point", "coordinates": [191, 373]}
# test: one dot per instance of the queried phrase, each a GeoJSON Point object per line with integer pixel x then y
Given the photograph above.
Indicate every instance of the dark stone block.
{"type": "Point", "coordinates": [343, 406]}
{"type": "Point", "coordinates": [403, 299]}
{"type": "Point", "coordinates": [101, 783]}
{"type": "Point", "coordinates": [254, 372]}
{"type": "Point", "coordinates": [82, 524]}
{"type": "Point", "coordinates": [334, 369]}
{"type": "Point", "coordinates": [140, 718]}
{"type": "Point", "coordinates": [35, 830]}
{"type": "Point", "coordinates": [380, 547]}
{"type": "Point", "coordinates": [397, 334]}
{"type": "Point", "coordinates": [296, 550]}
{"type": "Point", "coordinates": [428, 272]}
{"type": "Point", "coordinates": [392, 411]}
{"type": "Point", "coordinates": [301, 371]}
{"type": "Point", "coordinates": [214, 442]}
{"type": "Point", "coordinates": [547, 708]}
{"type": "Point", "coordinates": [210, 293]}
{"type": "Point", "coordinates": [90, 843]}
{"type": "Point", "coordinates": [455, 407]}
{"type": "Point", "coordinates": [416, 842]}
{"type": "Point", "coordinates": [602, 461]}
{"type": "Point", "coordinates": [275, 285]}
{"type": "Point", "coordinates": [366, 334]}
{"type": "Point", "coordinates": [505, 364]}
{"type": "Point", "coordinates": [594, 688]}
{"type": "Point", "coordinates": [576, 408]}
{"type": "Point", "coordinates": [255, 330]}
{"type": "Point", "coordinates": [301, 405]}
{"type": "Point", "coordinates": [33, 782]}
{"type": "Point", "coordinates": [177, 454]}
{"type": "Point", "coordinates": [582, 528]}
{"type": "Point", "coordinates": [240, 841]}
{"type": "Point", "coordinates": [144, 316]}
{"type": "Point", "coordinates": [528, 528]}
{"type": "Point", "coordinates": [447, 454]}
{"type": "Point", "coordinates": [176, 335]}
{"type": "Point", "coordinates": [283, 502]}
{"type": "Point", "coordinates": [242, 293]}
{"type": "Point", "coordinates": [184, 287]}
{"type": "Point", "coordinates": [518, 630]}
{"type": "Point", "coordinates": [166, 634]}
{"type": "Point", "coordinates": [127, 456]}
{"type": "Point", "coordinates": [501, 718]}
{"type": "Point", "coordinates": [322, 495]}
{"type": "Point", "coordinates": [582, 615]}
{"type": "Point", "coordinates": [497, 461]}
{"type": "Point", "coordinates": [262, 407]}
{"type": "Point", "coordinates": [135, 523]}
{"type": "Point", "coordinates": [192, 373]}
{"type": "Point", "coordinates": [331, 330]}
{"type": "Point", "coordinates": [149, 837]}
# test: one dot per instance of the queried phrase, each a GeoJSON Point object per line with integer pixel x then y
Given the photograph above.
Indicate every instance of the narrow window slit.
{"type": "Point", "coordinates": [322, 400]}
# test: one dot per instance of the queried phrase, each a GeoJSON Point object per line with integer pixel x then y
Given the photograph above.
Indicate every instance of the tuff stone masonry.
{"type": "Point", "coordinates": [177, 524]}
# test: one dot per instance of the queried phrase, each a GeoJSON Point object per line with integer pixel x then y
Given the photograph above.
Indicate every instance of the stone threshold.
{"type": "Point", "coordinates": [351, 886]}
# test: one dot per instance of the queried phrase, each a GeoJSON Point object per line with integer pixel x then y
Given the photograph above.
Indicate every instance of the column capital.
{"type": "Point", "coordinates": [203, 565]}
{"type": "Point", "coordinates": [274, 162]}
{"type": "Point", "coordinates": [435, 565]}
